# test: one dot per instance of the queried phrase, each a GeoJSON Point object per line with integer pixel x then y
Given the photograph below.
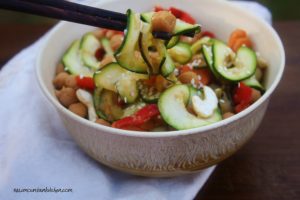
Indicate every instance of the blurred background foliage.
{"type": "Point", "coordinates": [281, 10]}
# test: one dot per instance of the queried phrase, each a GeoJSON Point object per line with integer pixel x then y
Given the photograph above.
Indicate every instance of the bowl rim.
{"type": "Point", "coordinates": [144, 134]}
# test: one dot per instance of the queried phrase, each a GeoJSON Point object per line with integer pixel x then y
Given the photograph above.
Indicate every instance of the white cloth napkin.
{"type": "Point", "coordinates": [36, 151]}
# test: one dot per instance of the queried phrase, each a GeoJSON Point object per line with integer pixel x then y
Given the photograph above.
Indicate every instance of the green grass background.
{"type": "Point", "coordinates": [281, 10]}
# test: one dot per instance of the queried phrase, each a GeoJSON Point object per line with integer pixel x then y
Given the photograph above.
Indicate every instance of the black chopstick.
{"type": "Point", "coordinates": [62, 14]}
{"type": "Point", "coordinates": [63, 10]}
{"type": "Point", "coordinates": [66, 5]}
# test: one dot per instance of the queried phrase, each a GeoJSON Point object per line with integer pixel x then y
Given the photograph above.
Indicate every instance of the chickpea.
{"type": "Point", "coordinates": [197, 37]}
{"type": "Point", "coordinates": [66, 96]}
{"type": "Point", "coordinates": [79, 109]}
{"type": "Point", "coordinates": [225, 104]}
{"type": "Point", "coordinates": [261, 63]}
{"type": "Point", "coordinates": [219, 92]}
{"type": "Point", "coordinates": [163, 21]}
{"type": "Point", "coordinates": [161, 83]}
{"type": "Point", "coordinates": [103, 122]}
{"type": "Point", "coordinates": [116, 41]}
{"type": "Point", "coordinates": [59, 68]}
{"type": "Point", "coordinates": [227, 115]}
{"type": "Point", "coordinates": [110, 33]}
{"type": "Point", "coordinates": [189, 78]}
{"type": "Point", "coordinates": [99, 33]}
{"type": "Point", "coordinates": [59, 80]}
{"type": "Point", "coordinates": [107, 59]}
{"type": "Point", "coordinates": [259, 74]}
{"type": "Point", "coordinates": [255, 95]}
{"type": "Point", "coordinates": [198, 58]}
{"type": "Point", "coordinates": [215, 87]}
{"type": "Point", "coordinates": [71, 82]}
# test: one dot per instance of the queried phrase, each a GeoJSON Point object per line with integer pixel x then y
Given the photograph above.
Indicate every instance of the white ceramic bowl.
{"type": "Point", "coordinates": [177, 152]}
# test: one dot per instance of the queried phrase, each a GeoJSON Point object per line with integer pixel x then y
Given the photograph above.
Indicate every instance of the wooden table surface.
{"type": "Point", "coordinates": [268, 167]}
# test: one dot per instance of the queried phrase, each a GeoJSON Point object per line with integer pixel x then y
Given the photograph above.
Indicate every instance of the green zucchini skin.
{"type": "Point", "coordinates": [172, 42]}
{"type": "Point", "coordinates": [172, 106]}
{"type": "Point", "coordinates": [181, 27]}
{"type": "Point", "coordinates": [197, 46]}
{"type": "Point", "coordinates": [147, 16]}
{"type": "Point", "coordinates": [128, 55]}
{"type": "Point", "coordinates": [108, 76]}
{"type": "Point", "coordinates": [148, 94]}
{"type": "Point", "coordinates": [88, 46]}
{"type": "Point", "coordinates": [106, 105]}
{"type": "Point", "coordinates": [147, 41]}
{"type": "Point", "coordinates": [133, 108]}
{"type": "Point", "coordinates": [72, 61]}
{"type": "Point", "coordinates": [167, 66]}
{"type": "Point", "coordinates": [208, 57]}
{"type": "Point", "coordinates": [97, 102]}
{"type": "Point", "coordinates": [254, 83]}
{"type": "Point", "coordinates": [181, 53]}
{"type": "Point", "coordinates": [106, 45]}
{"type": "Point", "coordinates": [244, 64]}
{"type": "Point", "coordinates": [115, 78]}
{"type": "Point", "coordinates": [127, 89]}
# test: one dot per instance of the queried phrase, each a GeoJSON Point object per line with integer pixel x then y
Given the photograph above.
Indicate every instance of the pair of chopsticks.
{"type": "Point", "coordinates": [68, 11]}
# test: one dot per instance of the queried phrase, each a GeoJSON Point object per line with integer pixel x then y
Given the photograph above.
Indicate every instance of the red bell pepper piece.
{"type": "Point", "coordinates": [99, 54]}
{"type": "Point", "coordinates": [124, 122]}
{"type": "Point", "coordinates": [185, 68]}
{"type": "Point", "coordinates": [158, 8]}
{"type": "Point", "coordinates": [208, 34]}
{"type": "Point", "coordinates": [176, 12]}
{"type": "Point", "coordinates": [105, 30]}
{"type": "Point", "coordinates": [184, 16]}
{"type": "Point", "coordinates": [85, 83]}
{"type": "Point", "coordinates": [121, 102]}
{"type": "Point", "coordinates": [140, 117]}
{"type": "Point", "coordinates": [133, 128]}
{"type": "Point", "coordinates": [150, 81]}
{"type": "Point", "coordinates": [119, 33]}
{"type": "Point", "coordinates": [240, 107]}
{"type": "Point", "coordinates": [205, 74]}
{"type": "Point", "coordinates": [242, 97]}
{"type": "Point", "coordinates": [242, 93]}
{"type": "Point", "coordinates": [146, 113]}
{"type": "Point", "coordinates": [188, 18]}
{"type": "Point", "coordinates": [180, 14]}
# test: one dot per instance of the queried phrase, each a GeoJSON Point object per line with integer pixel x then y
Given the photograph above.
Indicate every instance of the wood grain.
{"type": "Point", "coordinates": [268, 167]}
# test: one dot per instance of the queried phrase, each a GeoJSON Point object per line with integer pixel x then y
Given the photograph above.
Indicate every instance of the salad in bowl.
{"type": "Point", "coordinates": [164, 108]}
{"type": "Point", "coordinates": [132, 80]}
